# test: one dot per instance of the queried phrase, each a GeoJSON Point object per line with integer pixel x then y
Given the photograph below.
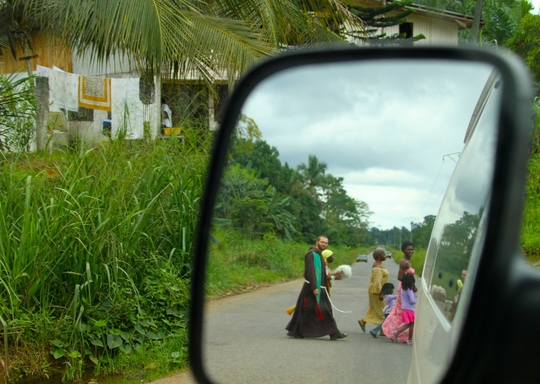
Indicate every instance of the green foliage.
{"type": "Point", "coordinates": [530, 241]}
{"type": "Point", "coordinates": [500, 24]}
{"type": "Point", "coordinates": [390, 237]}
{"type": "Point", "coordinates": [263, 212]}
{"type": "Point", "coordinates": [14, 28]}
{"type": "Point", "coordinates": [312, 176]}
{"type": "Point", "coordinates": [258, 155]}
{"type": "Point", "coordinates": [264, 197]}
{"type": "Point", "coordinates": [421, 232]}
{"type": "Point", "coordinates": [418, 259]}
{"type": "Point", "coordinates": [378, 16]}
{"type": "Point", "coordinates": [159, 35]}
{"type": "Point", "coordinates": [17, 113]}
{"type": "Point", "coordinates": [346, 218]}
{"type": "Point", "coordinates": [103, 236]}
{"type": "Point", "coordinates": [526, 43]}
{"type": "Point", "coordinates": [306, 210]}
{"type": "Point", "coordinates": [238, 263]}
{"type": "Point", "coordinates": [457, 242]}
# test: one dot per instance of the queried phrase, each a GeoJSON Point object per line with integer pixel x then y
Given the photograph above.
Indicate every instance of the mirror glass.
{"type": "Point", "coordinates": [388, 133]}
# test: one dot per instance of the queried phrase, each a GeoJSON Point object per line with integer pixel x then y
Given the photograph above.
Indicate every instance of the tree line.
{"type": "Point", "coordinates": [264, 197]}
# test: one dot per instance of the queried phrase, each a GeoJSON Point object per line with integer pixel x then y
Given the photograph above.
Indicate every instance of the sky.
{"type": "Point", "coordinates": [392, 131]}
{"type": "Point", "coordinates": [536, 5]}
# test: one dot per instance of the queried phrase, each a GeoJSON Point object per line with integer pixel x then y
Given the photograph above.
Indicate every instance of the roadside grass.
{"type": "Point", "coordinates": [154, 361]}
{"type": "Point", "coordinates": [530, 241]}
{"type": "Point", "coordinates": [95, 256]}
{"type": "Point", "coordinates": [237, 264]}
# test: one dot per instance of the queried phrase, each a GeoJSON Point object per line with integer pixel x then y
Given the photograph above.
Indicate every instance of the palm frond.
{"type": "Point", "coordinates": [159, 34]}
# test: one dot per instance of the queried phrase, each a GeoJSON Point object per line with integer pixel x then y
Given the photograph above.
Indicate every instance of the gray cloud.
{"type": "Point", "coordinates": [384, 127]}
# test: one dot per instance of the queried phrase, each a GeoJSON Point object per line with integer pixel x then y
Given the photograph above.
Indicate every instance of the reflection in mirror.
{"type": "Point", "coordinates": [457, 236]}
{"type": "Point", "coordinates": [457, 229]}
{"type": "Point", "coordinates": [337, 149]}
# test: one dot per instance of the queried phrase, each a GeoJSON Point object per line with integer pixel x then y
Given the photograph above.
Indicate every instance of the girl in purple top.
{"type": "Point", "coordinates": [408, 305]}
{"type": "Point", "coordinates": [387, 294]}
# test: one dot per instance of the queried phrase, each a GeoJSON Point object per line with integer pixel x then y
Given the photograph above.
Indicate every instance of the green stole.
{"type": "Point", "coordinates": [318, 273]}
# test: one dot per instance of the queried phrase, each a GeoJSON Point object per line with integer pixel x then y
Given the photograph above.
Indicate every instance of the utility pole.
{"type": "Point", "coordinates": [410, 219]}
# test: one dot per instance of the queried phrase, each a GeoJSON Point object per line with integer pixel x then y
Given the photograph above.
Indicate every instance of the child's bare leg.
{"type": "Point", "coordinates": [411, 331]}
{"type": "Point", "coordinates": [402, 328]}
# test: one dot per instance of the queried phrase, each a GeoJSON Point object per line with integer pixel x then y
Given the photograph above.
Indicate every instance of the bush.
{"type": "Point", "coordinates": [103, 237]}
{"type": "Point", "coordinates": [17, 113]}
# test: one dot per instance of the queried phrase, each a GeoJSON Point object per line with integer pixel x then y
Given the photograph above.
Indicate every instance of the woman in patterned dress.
{"type": "Point", "coordinates": [378, 277]}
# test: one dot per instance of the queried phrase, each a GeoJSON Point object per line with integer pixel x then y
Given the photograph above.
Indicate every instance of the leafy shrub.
{"type": "Point", "coordinates": [103, 236]}
{"type": "Point", "coordinates": [17, 113]}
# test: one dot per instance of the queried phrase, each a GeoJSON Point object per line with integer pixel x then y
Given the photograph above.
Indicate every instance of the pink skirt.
{"type": "Point", "coordinates": [394, 320]}
{"type": "Point", "coordinates": [407, 316]}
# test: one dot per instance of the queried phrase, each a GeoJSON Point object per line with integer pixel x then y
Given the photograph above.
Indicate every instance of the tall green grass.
{"type": "Point", "coordinates": [238, 263]}
{"type": "Point", "coordinates": [530, 241]}
{"type": "Point", "coordinates": [96, 244]}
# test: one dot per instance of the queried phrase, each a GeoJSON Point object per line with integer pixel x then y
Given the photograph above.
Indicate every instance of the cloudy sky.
{"type": "Point", "coordinates": [392, 131]}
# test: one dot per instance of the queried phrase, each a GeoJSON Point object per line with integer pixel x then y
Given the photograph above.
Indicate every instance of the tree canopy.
{"type": "Point", "coordinates": [526, 43]}
{"type": "Point", "coordinates": [264, 197]}
{"type": "Point", "coordinates": [205, 38]}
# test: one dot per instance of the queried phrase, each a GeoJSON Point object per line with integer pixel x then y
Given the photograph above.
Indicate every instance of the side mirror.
{"type": "Point", "coordinates": [389, 114]}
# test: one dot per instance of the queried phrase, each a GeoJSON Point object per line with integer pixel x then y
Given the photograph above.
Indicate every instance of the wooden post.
{"type": "Point", "coordinates": [27, 59]}
{"type": "Point", "coordinates": [42, 111]}
{"type": "Point", "coordinates": [476, 21]}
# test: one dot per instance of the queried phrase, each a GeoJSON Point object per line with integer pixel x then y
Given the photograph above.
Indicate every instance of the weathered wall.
{"type": "Point", "coordinates": [50, 53]}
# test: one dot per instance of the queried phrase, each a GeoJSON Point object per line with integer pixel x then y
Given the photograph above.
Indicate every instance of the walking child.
{"type": "Point", "coordinates": [387, 294]}
{"type": "Point", "coordinates": [408, 306]}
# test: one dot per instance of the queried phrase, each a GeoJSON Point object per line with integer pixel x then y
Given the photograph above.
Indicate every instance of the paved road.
{"type": "Point", "coordinates": [246, 340]}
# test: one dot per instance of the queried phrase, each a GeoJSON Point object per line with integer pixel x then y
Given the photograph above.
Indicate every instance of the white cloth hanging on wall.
{"type": "Point", "coordinates": [127, 109]}
{"type": "Point", "coordinates": [63, 88]}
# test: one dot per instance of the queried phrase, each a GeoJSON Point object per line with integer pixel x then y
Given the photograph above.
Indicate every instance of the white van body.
{"type": "Point", "coordinates": [455, 245]}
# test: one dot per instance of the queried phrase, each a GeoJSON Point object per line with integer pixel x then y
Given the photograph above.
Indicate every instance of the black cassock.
{"type": "Point", "coordinates": [310, 319]}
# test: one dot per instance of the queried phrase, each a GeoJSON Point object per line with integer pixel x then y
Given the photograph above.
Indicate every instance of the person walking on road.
{"type": "Point", "coordinates": [328, 257]}
{"type": "Point", "coordinates": [393, 321]}
{"type": "Point", "coordinates": [313, 316]}
{"type": "Point", "coordinates": [408, 303]}
{"type": "Point", "coordinates": [378, 277]}
{"type": "Point", "coordinates": [387, 294]}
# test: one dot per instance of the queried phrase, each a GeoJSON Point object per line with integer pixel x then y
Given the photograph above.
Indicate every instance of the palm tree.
{"type": "Point", "coordinates": [14, 32]}
{"type": "Point", "coordinates": [313, 175]}
{"type": "Point", "coordinates": [169, 36]}
{"type": "Point", "coordinates": [205, 38]}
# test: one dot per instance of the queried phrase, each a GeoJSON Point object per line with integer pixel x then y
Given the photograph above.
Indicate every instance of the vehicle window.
{"type": "Point", "coordinates": [455, 239]}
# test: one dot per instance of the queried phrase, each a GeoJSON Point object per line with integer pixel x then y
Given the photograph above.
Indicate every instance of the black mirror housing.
{"type": "Point", "coordinates": [492, 345]}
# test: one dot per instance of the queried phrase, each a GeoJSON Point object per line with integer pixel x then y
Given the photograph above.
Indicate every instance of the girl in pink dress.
{"type": "Point", "coordinates": [408, 306]}
{"type": "Point", "coordinates": [393, 321]}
